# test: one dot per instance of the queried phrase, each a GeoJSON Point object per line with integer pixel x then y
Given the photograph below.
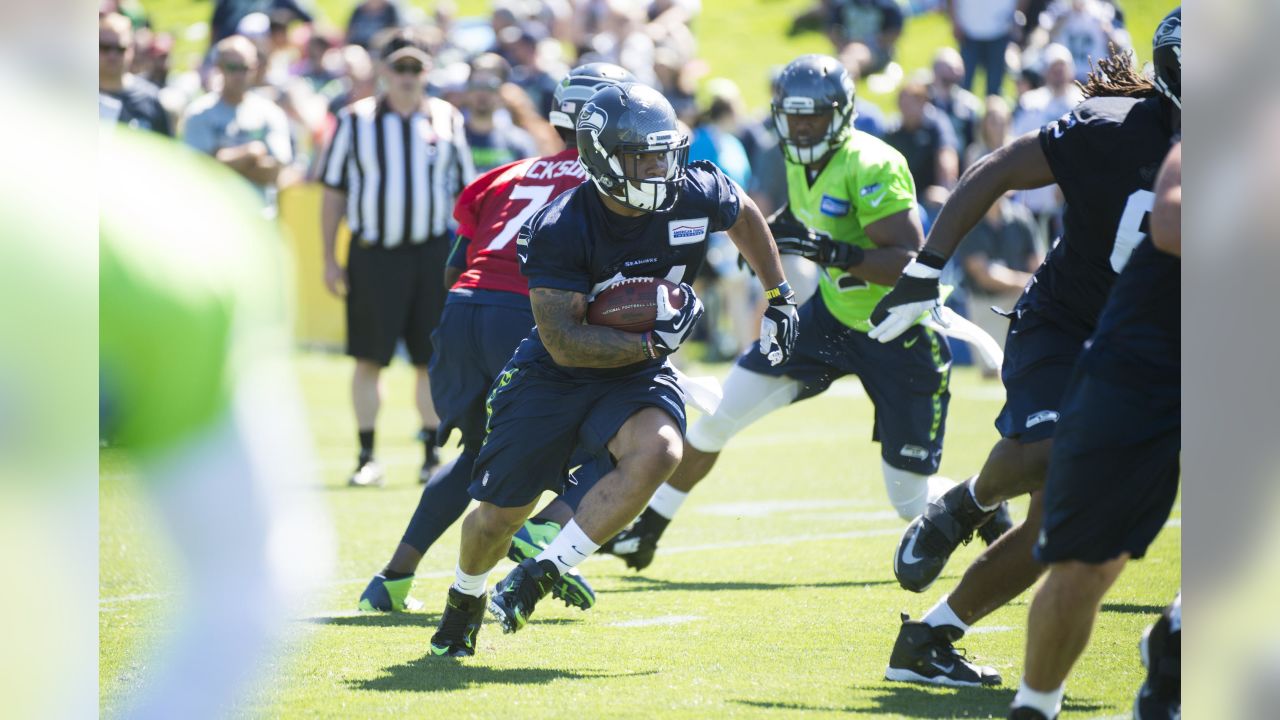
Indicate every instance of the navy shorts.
{"type": "Point", "coordinates": [1039, 357]}
{"type": "Point", "coordinates": [1113, 475]}
{"type": "Point", "coordinates": [537, 418]}
{"type": "Point", "coordinates": [907, 381]}
{"type": "Point", "coordinates": [477, 335]}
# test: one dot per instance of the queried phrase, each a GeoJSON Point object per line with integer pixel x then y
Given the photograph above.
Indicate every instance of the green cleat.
{"type": "Point", "coordinates": [383, 595]}
{"type": "Point", "coordinates": [529, 541]}
{"type": "Point", "coordinates": [513, 600]}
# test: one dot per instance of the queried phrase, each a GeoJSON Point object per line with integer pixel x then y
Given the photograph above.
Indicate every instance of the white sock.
{"type": "Point", "coordinates": [973, 493]}
{"type": "Point", "coordinates": [942, 614]}
{"type": "Point", "coordinates": [1049, 703]}
{"type": "Point", "coordinates": [570, 548]}
{"type": "Point", "coordinates": [472, 585]}
{"type": "Point", "coordinates": [667, 500]}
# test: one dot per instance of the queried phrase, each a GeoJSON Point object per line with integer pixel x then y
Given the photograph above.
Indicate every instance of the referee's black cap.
{"type": "Point", "coordinates": [406, 44]}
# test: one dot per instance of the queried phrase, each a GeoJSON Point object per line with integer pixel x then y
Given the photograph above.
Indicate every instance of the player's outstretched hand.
{"type": "Point", "coordinates": [779, 328]}
{"type": "Point", "coordinates": [672, 327]}
{"type": "Point", "coordinates": [915, 293]}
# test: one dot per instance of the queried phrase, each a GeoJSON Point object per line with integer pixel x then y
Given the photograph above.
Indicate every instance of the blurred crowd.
{"type": "Point", "coordinates": [282, 74]}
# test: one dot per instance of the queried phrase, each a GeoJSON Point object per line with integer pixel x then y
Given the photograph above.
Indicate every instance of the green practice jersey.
{"type": "Point", "coordinates": [191, 290]}
{"type": "Point", "coordinates": [865, 180]}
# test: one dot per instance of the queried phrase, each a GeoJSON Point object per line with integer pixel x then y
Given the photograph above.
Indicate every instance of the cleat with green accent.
{"type": "Point", "coordinates": [459, 625]}
{"type": "Point", "coordinates": [529, 542]}
{"type": "Point", "coordinates": [514, 599]}
{"type": "Point", "coordinates": [531, 539]}
{"type": "Point", "coordinates": [383, 595]}
{"type": "Point", "coordinates": [925, 654]}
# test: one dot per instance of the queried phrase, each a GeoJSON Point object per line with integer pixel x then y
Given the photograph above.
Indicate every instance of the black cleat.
{"type": "Point", "coordinates": [456, 636]}
{"type": "Point", "coordinates": [514, 598]}
{"type": "Point", "coordinates": [1027, 713]}
{"type": "Point", "coordinates": [1160, 697]}
{"type": "Point", "coordinates": [997, 525]}
{"type": "Point", "coordinates": [925, 654]}
{"type": "Point", "coordinates": [637, 544]}
{"type": "Point", "coordinates": [929, 540]}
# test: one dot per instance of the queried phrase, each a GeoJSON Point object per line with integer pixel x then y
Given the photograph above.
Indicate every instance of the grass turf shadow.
{"type": "Point", "coordinates": [1134, 609]}
{"type": "Point", "coordinates": [439, 674]}
{"type": "Point", "coordinates": [914, 702]}
{"type": "Point", "coordinates": [640, 583]}
{"type": "Point", "coordinates": [379, 619]}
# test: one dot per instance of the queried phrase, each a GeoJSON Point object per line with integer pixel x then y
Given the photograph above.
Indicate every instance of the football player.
{"type": "Point", "coordinates": [1113, 476]}
{"type": "Point", "coordinates": [485, 317]}
{"type": "Point", "coordinates": [1104, 156]}
{"type": "Point", "coordinates": [851, 210]}
{"type": "Point", "coordinates": [647, 212]}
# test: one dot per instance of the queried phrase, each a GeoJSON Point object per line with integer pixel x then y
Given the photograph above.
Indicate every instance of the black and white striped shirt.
{"type": "Point", "coordinates": [401, 174]}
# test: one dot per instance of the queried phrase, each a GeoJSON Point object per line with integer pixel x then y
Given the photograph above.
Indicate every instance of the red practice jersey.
{"type": "Point", "coordinates": [491, 210]}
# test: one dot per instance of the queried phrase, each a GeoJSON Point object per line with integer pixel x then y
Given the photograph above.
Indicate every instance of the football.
{"type": "Point", "coordinates": [632, 304]}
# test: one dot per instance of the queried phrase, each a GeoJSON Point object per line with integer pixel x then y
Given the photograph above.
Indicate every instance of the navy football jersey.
{"type": "Point", "coordinates": [1139, 337]}
{"type": "Point", "coordinates": [1104, 155]}
{"type": "Point", "coordinates": [575, 243]}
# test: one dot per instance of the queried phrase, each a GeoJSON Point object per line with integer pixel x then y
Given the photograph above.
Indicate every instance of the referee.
{"type": "Point", "coordinates": [396, 163]}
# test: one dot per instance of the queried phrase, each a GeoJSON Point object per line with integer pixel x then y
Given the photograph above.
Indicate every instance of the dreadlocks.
{"type": "Point", "coordinates": [1115, 76]}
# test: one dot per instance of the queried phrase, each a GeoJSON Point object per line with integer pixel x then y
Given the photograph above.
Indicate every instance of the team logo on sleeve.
{"type": "Point", "coordinates": [834, 206]}
{"type": "Point", "coordinates": [687, 232]}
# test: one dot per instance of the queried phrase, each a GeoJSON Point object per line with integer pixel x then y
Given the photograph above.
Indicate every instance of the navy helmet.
{"type": "Point", "coordinates": [1166, 56]}
{"type": "Point", "coordinates": [813, 85]}
{"type": "Point", "coordinates": [632, 146]}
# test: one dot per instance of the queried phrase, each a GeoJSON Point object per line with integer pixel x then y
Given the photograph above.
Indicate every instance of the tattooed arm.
{"type": "Point", "coordinates": [559, 315]}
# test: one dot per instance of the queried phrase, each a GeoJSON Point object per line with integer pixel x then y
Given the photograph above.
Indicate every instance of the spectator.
{"type": "Point", "coordinates": [122, 96]}
{"type": "Point", "coordinates": [370, 18]}
{"type": "Point", "coordinates": [1086, 27]}
{"type": "Point", "coordinates": [397, 200]}
{"type": "Point", "coordinates": [358, 78]}
{"type": "Point", "coordinates": [1037, 108]}
{"type": "Point", "coordinates": [998, 257]}
{"type": "Point", "coordinates": [872, 25]}
{"type": "Point", "coordinates": [867, 117]}
{"type": "Point", "coordinates": [715, 138]}
{"type": "Point", "coordinates": [528, 69]}
{"type": "Point", "coordinates": [958, 104]}
{"type": "Point", "coordinates": [925, 137]}
{"type": "Point", "coordinates": [227, 14]}
{"type": "Point", "coordinates": [993, 131]}
{"type": "Point", "coordinates": [317, 65]}
{"type": "Point", "coordinates": [494, 138]}
{"type": "Point", "coordinates": [983, 29]}
{"type": "Point", "coordinates": [238, 127]}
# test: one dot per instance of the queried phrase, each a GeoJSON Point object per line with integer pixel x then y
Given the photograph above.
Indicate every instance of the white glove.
{"type": "Point", "coordinates": [672, 327]}
{"type": "Point", "coordinates": [915, 293]}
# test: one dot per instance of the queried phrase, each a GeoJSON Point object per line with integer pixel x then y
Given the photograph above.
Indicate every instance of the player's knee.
{"type": "Point", "coordinates": [711, 432]}
{"type": "Point", "coordinates": [665, 450]}
{"type": "Point", "coordinates": [493, 520]}
{"type": "Point", "coordinates": [1084, 580]}
{"type": "Point", "coordinates": [910, 492]}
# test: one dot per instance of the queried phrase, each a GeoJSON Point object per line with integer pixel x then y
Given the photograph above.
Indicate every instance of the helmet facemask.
{"type": "Point", "coordinates": [808, 151]}
{"type": "Point", "coordinates": [650, 175]}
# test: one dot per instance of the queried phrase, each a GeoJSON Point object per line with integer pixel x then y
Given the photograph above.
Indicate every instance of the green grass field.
{"type": "Point", "coordinates": [772, 595]}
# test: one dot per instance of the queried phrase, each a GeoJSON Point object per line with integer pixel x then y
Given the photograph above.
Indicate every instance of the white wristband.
{"type": "Point", "coordinates": [918, 270]}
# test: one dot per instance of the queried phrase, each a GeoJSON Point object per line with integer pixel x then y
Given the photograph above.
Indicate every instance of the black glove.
{"type": "Point", "coordinates": [794, 238]}
{"type": "Point", "coordinates": [672, 327]}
